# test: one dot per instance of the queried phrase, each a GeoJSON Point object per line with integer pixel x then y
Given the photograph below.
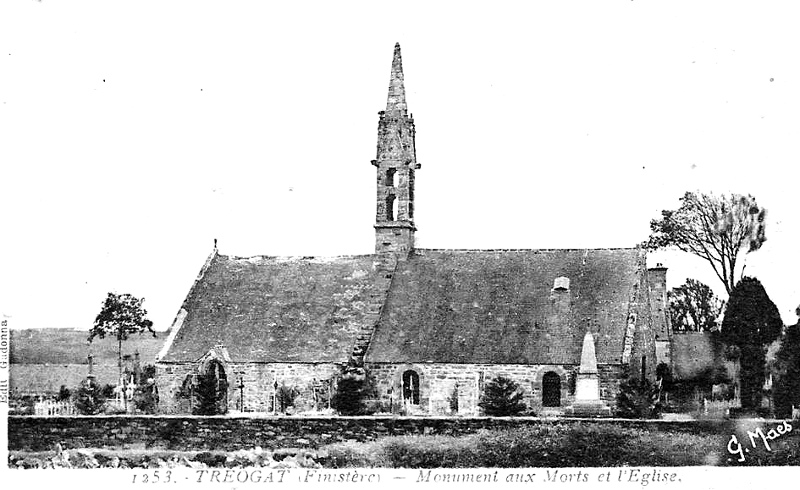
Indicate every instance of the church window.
{"type": "Point", "coordinates": [391, 177]}
{"type": "Point", "coordinates": [391, 207]}
{"type": "Point", "coordinates": [411, 387]}
{"type": "Point", "coordinates": [551, 389]}
{"type": "Point", "coordinates": [644, 368]}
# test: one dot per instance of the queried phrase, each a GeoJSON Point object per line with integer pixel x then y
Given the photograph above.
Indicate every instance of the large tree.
{"type": "Point", "coordinates": [751, 323]}
{"type": "Point", "coordinates": [718, 229]}
{"type": "Point", "coordinates": [121, 316]}
{"type": "Point", "coordinates": [693, 307]}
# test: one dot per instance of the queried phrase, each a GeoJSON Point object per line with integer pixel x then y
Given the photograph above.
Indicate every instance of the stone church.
{"type": "Point", "coordinates": [430, 327]}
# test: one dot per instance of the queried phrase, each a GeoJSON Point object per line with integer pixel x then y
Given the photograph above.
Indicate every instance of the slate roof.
{"type": "Point", "coordinates": [484, 306]}
{"type": "Point", "coordinates": [277, 309]}
{"type": "Point", "coordinates": [67, 347]}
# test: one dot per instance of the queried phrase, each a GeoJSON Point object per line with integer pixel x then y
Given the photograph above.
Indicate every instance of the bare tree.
{"type": "Point", "coordinates": [718, 229]}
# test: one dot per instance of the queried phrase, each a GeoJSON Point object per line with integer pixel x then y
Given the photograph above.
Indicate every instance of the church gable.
{"type": "Point", "coordinates": [277, 309]}
{"type": "Point", "coordinates": [507, 307]}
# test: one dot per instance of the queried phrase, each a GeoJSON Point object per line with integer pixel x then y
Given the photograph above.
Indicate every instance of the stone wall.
{"type": "Point", "coordinates": [611, 376]}
{"type": "Point", "coordinates": [232, 433]}
{"type": "Point", "coordinates": [438, 383]}
{"type": "Point", "coordinates": [258, 382]}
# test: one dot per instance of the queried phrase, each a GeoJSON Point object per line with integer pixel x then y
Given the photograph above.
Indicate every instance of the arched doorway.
{"type": "Point", "coordinates": [211, 393]}
{"type": "Point", "coordinates": [411, 387]}
{"type": "Point", "coordinates": [551, 389]}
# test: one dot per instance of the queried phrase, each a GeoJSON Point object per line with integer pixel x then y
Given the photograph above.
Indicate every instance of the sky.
{"type": "Point", "coordinates": [132, 134]}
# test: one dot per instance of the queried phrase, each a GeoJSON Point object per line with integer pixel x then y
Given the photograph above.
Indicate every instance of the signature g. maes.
{"type": "Point", "coordinates": [757, 437]}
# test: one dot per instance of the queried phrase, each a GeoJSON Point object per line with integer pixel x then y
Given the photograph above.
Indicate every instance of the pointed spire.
{"type": "Point", "coordinates": [397, 91]}
{"type": "Point", "coordinates": [588, 356]}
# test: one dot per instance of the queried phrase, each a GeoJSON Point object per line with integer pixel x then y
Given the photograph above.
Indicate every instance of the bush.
{"type": "Point", "coordinates": [145, 398]}
{"type": "Point", "coordinates": [64, 394]}
{"type": "Point", "coordinates": [638, 399]}
{"type": "Point", "coordinates": [352, 391]}
{"type": "Point", "coordinates": [205, 396]}
{"type": "Point", "coordinates": [108, 391]}
{"type": "Point", "coordinates": [285, 397]}
{"type": "Point", "coordinates": [89, 399]}
{"type": "Point", "coordinates": [502, 397]}
{"type": "Point", "coordinates": [787, 379]}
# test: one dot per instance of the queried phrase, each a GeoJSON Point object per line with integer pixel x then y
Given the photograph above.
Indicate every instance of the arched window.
{"type": "Point", "coordinates": [551, 389]}
{"type": "Point", "coordinates": [391, 207]}
{"type": "Point", "coordinates": [411, 387]}
{"type": "Point", "coordinates": [644, 368]}
{"type": "Point", "coordinates": [216, 370]}
{"type": "Point", "coordinates": [391, 174]}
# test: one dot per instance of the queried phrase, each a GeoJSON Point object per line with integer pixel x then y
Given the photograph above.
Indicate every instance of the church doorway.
{"type": "Point", "coordinates": [411, 387]}
{"type": "Point", "coordinates": [211, 394]}
{"type": "Point", "coordinates": [551, 389]}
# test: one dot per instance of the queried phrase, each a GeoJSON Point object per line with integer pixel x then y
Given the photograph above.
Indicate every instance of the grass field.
{"type": "Point", "coordinates": [547, 445]}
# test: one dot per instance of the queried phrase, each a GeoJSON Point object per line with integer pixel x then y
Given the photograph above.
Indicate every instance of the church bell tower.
{"type": "Point", "coordinates": [396, 162]}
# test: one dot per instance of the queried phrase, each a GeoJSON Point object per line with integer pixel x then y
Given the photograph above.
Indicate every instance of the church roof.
{"type": "Point", "coordinates": [449, 306]}
{"type": "Point", "coordinates": [278, 309]}
{"type": "Point", "coordinates": [485, 306]}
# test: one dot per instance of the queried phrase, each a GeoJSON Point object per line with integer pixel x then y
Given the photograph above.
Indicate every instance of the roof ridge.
{"type": "Point", "coordinates": [371, 255]}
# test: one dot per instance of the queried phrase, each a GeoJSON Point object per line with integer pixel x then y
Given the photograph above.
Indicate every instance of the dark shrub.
{"type": "Point", "coordinates": [352, 390]}
{"type": "Point", "coordinates": [285, 397]}
{"type": "Point", "coordinates": [637, 399]}
{"type": "Point", "coordinates": [502, 397]}
{"type": "Point", "coordinates": [145, 398]}
{"type": "Point", "coordinates": [205, 396]}
{"type": "Point", "coordinates": [787, 383]}
{"type": "Point", "coordinates": [107, 391]}
{"type": "Point", "coordinates": [64, 394]}
{"type": "Point", "coordinates": [89, 398]}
